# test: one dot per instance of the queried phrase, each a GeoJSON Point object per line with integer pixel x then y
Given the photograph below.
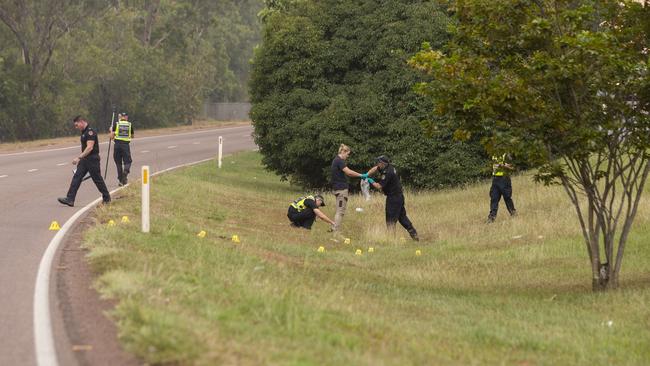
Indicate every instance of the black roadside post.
{"type": "Point", "coordinates": [108, 154]}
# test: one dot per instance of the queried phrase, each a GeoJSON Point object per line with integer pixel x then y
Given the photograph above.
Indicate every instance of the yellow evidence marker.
{"type": "Point", "coordinates": [358, 252]}
{"type": "Point", "coordinates": [111, 223]}
{"type": "Point", "coordinates": [321, 249]}
{"type": "Point", "coordinates": [201, 234]}
{"type": "Point", "coordinates": [371, 250]}
{"type": "Point", "coordinates": [54, 226]}
{"type": "Point", "coordinates": [235, 239]}
{"type": "Point", "coordinates": [347, 241]}
{"type": "Point", "coordinates": [418, 253]}
{"type": "Point", "coordinates": [125, 219]}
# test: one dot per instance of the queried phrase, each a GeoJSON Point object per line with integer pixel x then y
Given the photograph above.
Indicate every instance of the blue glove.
{"type": "Point", "coordinates": [371, 181]}
{"type": "Point", "coordinates": [364, 176]}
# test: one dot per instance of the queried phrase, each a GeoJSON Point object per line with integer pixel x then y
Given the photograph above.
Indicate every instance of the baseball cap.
{"type": "Point", "coordinates": [320, 197]}
{"type": "Point", "coordinates": [383, 159]}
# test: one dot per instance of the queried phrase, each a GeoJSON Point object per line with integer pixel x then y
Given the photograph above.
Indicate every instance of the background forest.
{"type": "Point", "coordinates": [159, 60]}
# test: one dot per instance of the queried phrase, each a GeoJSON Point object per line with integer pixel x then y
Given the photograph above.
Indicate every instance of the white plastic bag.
{"type": "Point", "coordinates": [365, 189]}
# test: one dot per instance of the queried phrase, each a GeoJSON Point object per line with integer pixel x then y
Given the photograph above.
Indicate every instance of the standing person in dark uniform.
{"type": "Point", "coordinates": [390, 185]}
{"type": "Point", "coordinates": [86, 162]}
{"type": "Point", "coordinates": [340, 183]}
{"type": "Point", "coordinates": [122, 133]}
{"type": "Point", "coordinates": [303, 211]}
{"type": "Point", "coordinates": [501, 186]}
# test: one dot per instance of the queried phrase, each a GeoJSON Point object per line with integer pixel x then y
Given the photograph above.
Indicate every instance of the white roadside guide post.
{"type": "Point", "coordinates": [220, 150]}
{"type": "Point", "coordinates": [145, 198]}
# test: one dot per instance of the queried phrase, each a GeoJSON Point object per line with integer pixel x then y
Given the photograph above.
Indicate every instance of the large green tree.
{"type": "Point", "coordinates": [565, 85]}
{"type": "Point", "coordinates": [331, 72]}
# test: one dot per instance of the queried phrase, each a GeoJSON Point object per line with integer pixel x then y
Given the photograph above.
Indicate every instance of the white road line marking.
{"type": "Point", "coordinates": [61, 164]}
{"type": "Point", "coordinates": [43, 333]}
{"type": "Point", "coordinates": [171, 147]}
{"type": "Point", "coordinates": [196, 143]}
{"type": "Point", "coordinates": [32, 170]}
{"type": "Point", "coordinates": [139, 139]}
{"type": "Point", "coordinates": [144, 151]}
{"type": "Point", "coordinates": [4, 176]}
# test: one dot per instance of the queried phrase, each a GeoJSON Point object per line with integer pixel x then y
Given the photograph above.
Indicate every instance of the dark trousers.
{"type": "Point", "coordinates": [122, 155]}
{"type": "Point", "coordinates": [501, 186]}
{"type": "Point", "coordinates": [395, 211]}
{"type": "Point", "coordinates": [89, 164]}
{"type": "Point", "coordinates": [304, 219]}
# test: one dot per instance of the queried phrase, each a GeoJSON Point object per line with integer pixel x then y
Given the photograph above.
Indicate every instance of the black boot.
{"type": "Point", "coordinates": [66, 201]}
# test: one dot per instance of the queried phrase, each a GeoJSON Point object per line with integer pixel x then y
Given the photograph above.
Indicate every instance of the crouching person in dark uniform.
{"type": "Point", "coordinates": [303, 211]}
{"type": "Point", "coordinates": [501, 187]}
{"type": "Point", "coordinates": [390, 185]}
{"type": "Point", "coordinates": [86, 162]}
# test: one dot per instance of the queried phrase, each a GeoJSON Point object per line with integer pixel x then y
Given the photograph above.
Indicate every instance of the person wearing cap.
{"type": "Point", "coordinates": [303, 211]}
{"type": "Point", "coordinates": [389, 183]}
{"type": "Point", "coordinates": [340, 186]}
{"type": "Point", "coordinates": [501, 187]}
{"type": "Point", "coordinates": [86, 162]}
{"type": "Point", "coordinates": [122, 133]}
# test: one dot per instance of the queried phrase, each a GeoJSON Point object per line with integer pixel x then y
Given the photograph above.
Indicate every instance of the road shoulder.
{"type": "Point", "coordinates": [84, 334]}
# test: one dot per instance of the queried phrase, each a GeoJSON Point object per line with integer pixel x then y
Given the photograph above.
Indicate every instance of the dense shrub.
{"type": "Point", "coordinates": [331, 72]}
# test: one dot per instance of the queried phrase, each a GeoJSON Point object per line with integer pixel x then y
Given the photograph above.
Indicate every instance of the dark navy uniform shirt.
{"type": "Point", "coordinates": [89, 134]}
{"type": "Point", "coordinates": [310, 204]}
{"type": "Point", "coordinates": [339, 180]}
{"type": "Point", "coordinates": [389, 182]}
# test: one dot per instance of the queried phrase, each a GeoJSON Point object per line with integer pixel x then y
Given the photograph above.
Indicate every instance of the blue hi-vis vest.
{"type": "Point", "coordinates": [123, 131]}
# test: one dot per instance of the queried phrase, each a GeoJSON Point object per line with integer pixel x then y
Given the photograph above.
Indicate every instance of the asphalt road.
{"type": "Point", "coordinates": [31, 181]}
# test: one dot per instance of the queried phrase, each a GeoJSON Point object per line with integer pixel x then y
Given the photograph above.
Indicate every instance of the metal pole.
{"type": "Point", "coordinates": [145, 198]}
{"type": "Point", "coordinates": [108, 154]}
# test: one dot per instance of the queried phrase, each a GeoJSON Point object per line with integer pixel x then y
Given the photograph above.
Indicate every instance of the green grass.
{"type": "Point", "coordinates": [514, 292]}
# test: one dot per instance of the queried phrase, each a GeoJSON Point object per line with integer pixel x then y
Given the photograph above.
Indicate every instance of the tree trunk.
{"type": "Point", "coordinates": [152, 14]}
{"type": "Point", "coordinates": [605, 279]}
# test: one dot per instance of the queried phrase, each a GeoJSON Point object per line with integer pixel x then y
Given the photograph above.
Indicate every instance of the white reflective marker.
{"type": "Point", "coordinates": [145, 198]}
{"type": "Point", "coordinates": [220, 150]}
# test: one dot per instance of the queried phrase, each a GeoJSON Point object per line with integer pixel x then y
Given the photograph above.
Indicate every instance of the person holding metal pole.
{"type": "Point", "coordinates": [122, 133]}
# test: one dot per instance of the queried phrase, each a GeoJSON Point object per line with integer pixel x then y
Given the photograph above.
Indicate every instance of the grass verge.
{"type": "Point", "coordinates": [513, 292]}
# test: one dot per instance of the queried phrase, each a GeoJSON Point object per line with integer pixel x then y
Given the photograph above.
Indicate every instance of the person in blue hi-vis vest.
{"type": "Point", "coordinates": [501, 186]}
